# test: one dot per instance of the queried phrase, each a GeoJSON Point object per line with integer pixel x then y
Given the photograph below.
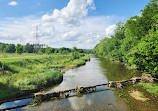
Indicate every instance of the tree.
{"type": "Point", "coordinates": [2, 47]}
{"type": "Point", "coordinates": [136, 41]}
{"type": "Point", "coordinates": [64, 50]}
{"type": "Point", "coordinates": [41, 51]}
{"type": "Point", "coordinates": [49, 50]}
{"type": "Point", "coordinates": [74, 49]}
{"type": "Point", "coordinates": [10, 48]}
{"type": "Point", "coordinates": [145, 53]}
{"type": "Point", "coordinates": [19, 49]}
{"type": "Point", "coordinates": [29, 48]}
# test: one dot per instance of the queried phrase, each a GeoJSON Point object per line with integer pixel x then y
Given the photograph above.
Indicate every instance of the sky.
{"type": "Point", "coordinates": [64, 23]}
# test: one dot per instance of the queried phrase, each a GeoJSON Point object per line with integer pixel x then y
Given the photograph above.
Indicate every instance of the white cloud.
{"type": "Point", "coordinates": [70, 14]}
{"type": "Point", "coordinates": [89, 2]}
{"type": "Point", "coordinates": [67, 27]}
{"type": "Point", "coordinates": [13, 3]}
{"type": "Point", "coordinates": [70, 36]}
{"type": "Point", "coordinates": [110, 30]}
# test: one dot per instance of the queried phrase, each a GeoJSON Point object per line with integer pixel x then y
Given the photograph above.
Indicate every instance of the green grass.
{"type": "Point", "coordinates": [151, 88]}
{"type": "Point", "coordinates": [132, 67]}
{"type": "Point", "coordinates": [7, 55]}
{"type": "Point", "coordinates": [34, 73]}
{"type": "Point", "coordinates": [146, 74]}
{"type": "Point", "coordinates": [81, 61]}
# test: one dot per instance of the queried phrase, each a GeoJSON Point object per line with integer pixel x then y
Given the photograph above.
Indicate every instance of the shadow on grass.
{"type": "Point", "coordinates": [4, 68]}
{"type": "Point", "coordinates": [7, 92]}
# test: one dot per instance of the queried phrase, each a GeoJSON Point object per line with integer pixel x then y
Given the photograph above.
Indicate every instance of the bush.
{"type": "Point", "coordinates": [44, 79]}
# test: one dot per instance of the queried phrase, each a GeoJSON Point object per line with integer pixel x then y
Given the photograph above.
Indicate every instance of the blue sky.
{"type": "Point", "coordinates": [82, 23]}
{"type": "Point", "coordinates": [126, 8]}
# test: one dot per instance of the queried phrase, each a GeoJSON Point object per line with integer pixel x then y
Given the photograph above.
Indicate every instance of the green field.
{"type": "Point", "coordinates": [31, 72]}
{"type": "Point", "coordinates": [7, 55]}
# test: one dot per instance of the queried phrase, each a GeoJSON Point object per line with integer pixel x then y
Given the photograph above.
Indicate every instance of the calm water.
{"type": "Point", "coordinates": [97, 71]}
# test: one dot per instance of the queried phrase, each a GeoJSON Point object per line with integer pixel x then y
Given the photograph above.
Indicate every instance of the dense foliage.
{"type": "Point", "coordinates": [135, 42]}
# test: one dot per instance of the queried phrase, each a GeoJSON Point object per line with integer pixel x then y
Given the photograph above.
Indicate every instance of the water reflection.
{"type": "Point", "coordinates": [115, 71]}
{"type": "Point", "coordinates": [89, 74]}
{"type": "Point", "coordinates": [97, 71]}
{"type": "Point", "coordinates": [15, 103]}
{"type": "Point", "coordinates": [94, 72]}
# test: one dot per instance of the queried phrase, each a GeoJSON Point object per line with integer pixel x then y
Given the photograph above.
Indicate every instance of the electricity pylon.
{"type": "Point", "coordinates": [36, 45]}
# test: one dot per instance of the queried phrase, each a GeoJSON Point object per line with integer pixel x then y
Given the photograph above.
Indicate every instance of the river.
{"type": "Point", "coordinates": [96, 71]}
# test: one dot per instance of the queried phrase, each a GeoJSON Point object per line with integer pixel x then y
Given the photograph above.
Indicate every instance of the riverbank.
{"type": "Point", "coordinates": [152, 88]}
{"type": "Point", "coordinates": [22, 76]}
{"type": "Point", "coordinates": [97, 71]}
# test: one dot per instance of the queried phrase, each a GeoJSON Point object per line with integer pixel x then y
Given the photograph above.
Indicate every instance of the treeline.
{"type": "Point", "coordinates": [135, 42]}
{"type": "Point", "coordinates": [12, 48]}
{"type": "Point", "coordinates": [37, 48]}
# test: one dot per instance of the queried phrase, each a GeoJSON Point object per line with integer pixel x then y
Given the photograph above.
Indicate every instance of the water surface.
{"type": "Point", "coordinates": [96, 71]}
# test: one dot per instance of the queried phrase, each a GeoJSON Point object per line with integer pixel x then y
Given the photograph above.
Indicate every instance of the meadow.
{"type": "Point", "coordinates": [27, 73]}
{"type": "Point", "coordinates": [8, 55]}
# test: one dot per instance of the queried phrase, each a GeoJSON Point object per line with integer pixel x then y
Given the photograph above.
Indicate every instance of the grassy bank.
{"type": "Point", "coordinates": [150, 87]}
{"type": "Point", "coordinates": [19, 76]}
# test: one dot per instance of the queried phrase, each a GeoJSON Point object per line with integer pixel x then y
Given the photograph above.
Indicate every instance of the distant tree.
{"type": "Point", "coordinates": [2, 47]}
{"type": "Point", "coordinates": [49, 50]}
{"type": "Point", "coordinates": [65, 50]}
{"type": "Point", "coordinates": [56, 51]}
{"type": "Point", "coordinates": [74, 49]}
{"type": "Point", "coordinates": [19, 49]}
{"type": "Point", "coordinates": [81, 51]}
{"type": "Point", "coordinates": [7, 49]}
{"type": "Point", "coordinates": [41, 51]}
{"type": "Point", "coordinates": [10, 48]}
{"type": "Point", "coordinates": [29, 48]}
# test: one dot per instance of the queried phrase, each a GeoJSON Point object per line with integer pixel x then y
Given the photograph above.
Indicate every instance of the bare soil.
{"type": "Point", "coordinates": [138, 96]}
{"type": "Point", "coordinates": [67, 68]}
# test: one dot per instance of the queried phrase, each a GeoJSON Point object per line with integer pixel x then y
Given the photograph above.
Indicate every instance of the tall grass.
{"type": "Point", "coordinates": [34, 73]}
